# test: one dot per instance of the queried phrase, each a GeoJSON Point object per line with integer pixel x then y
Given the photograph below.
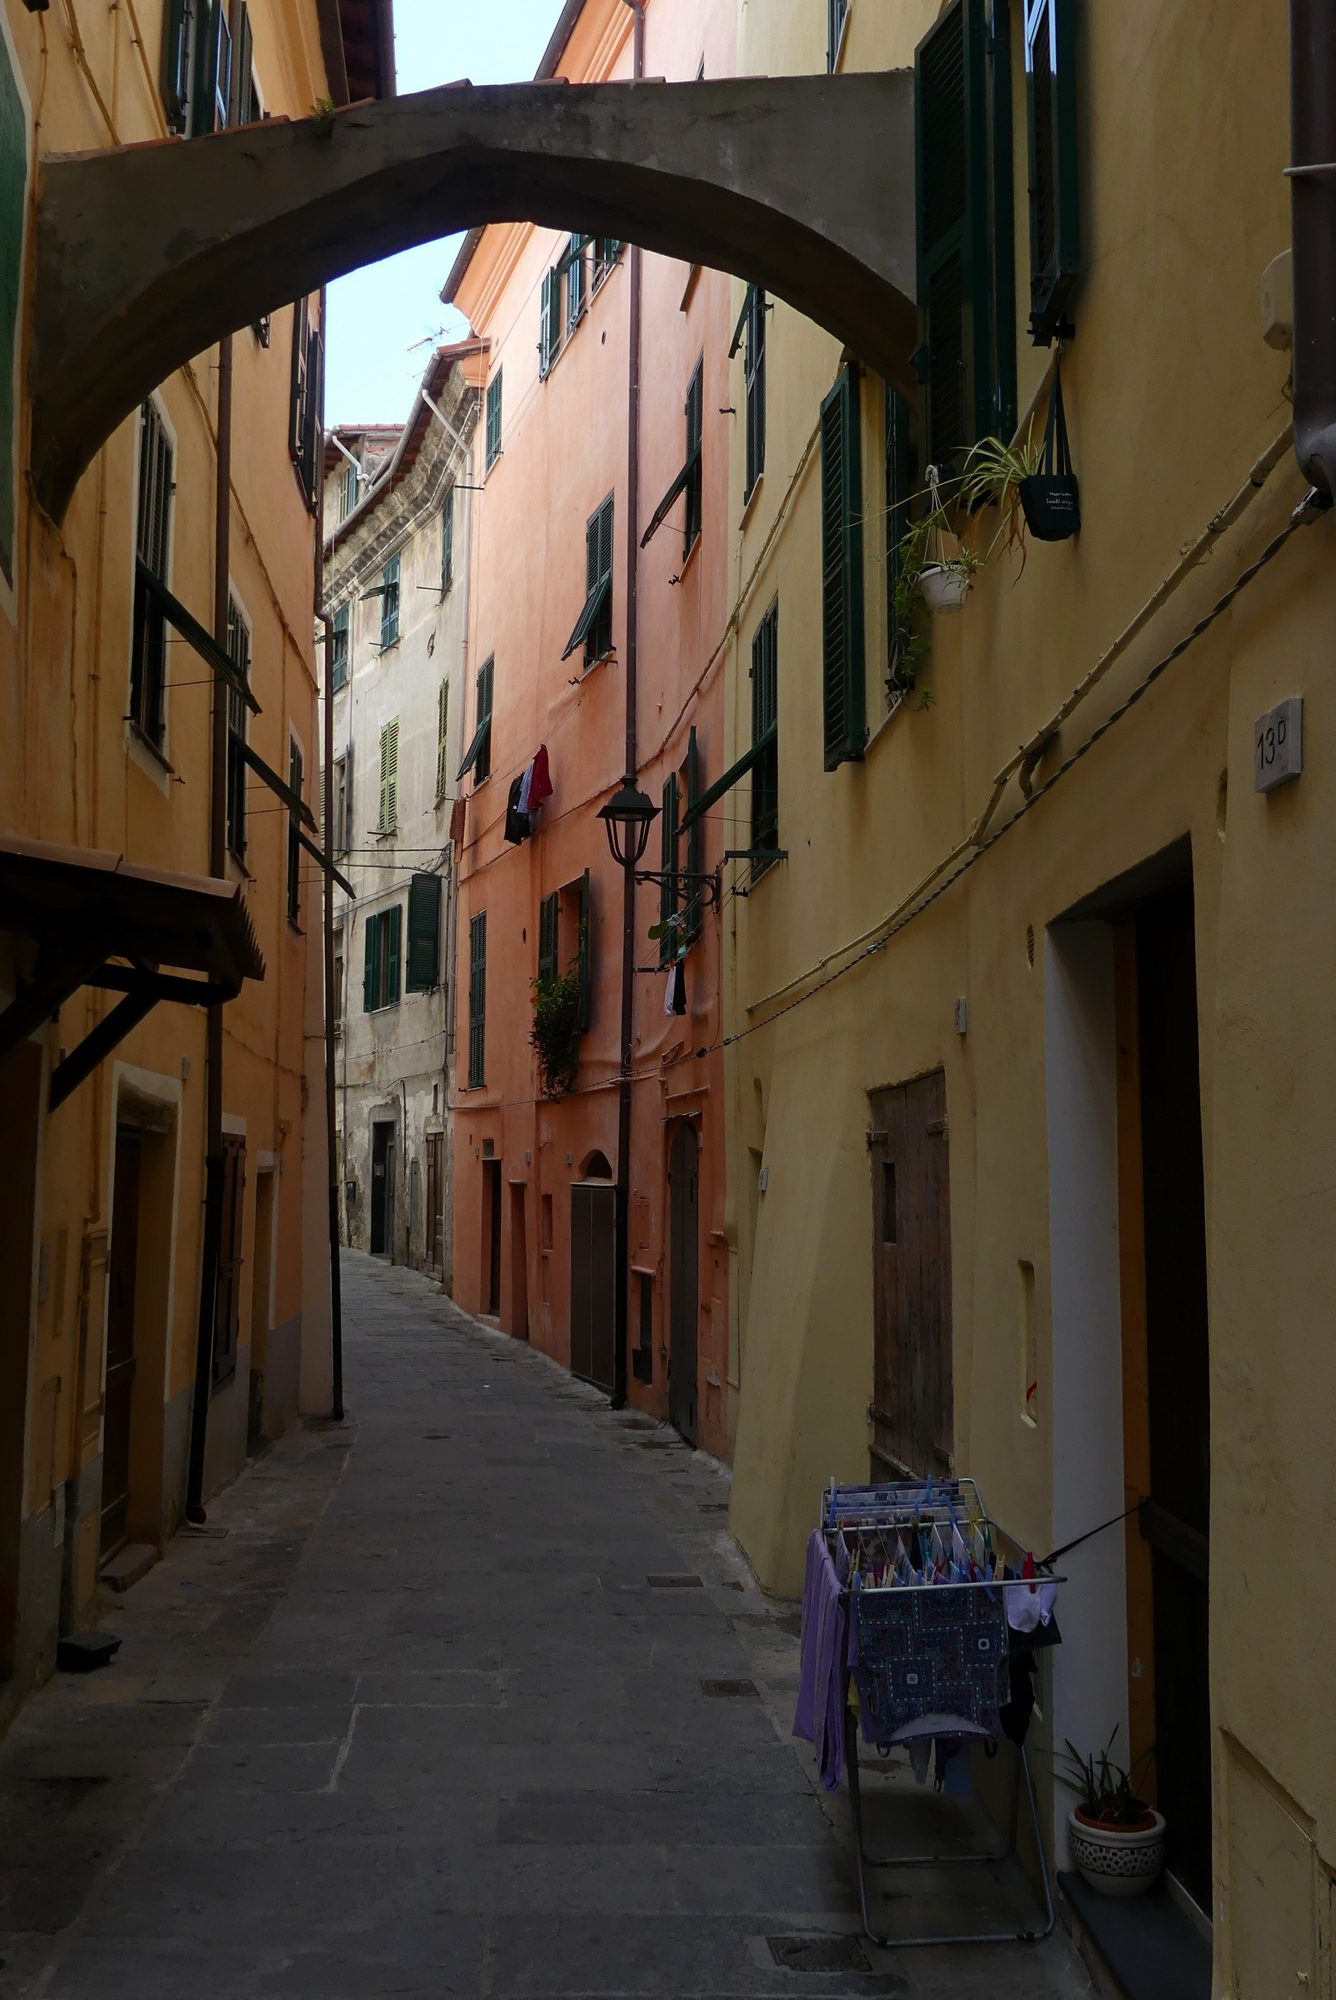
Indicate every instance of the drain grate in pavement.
{"type": "Point", "coordinates": [726, 1689]}
{"type": "Point", "coordinates": [674, 1583]}
{"type": "Point", "coordinates": [819, 1954]}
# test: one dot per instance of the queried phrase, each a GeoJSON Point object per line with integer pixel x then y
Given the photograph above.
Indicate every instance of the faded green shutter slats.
{"type": "Point", "coordinates": [393, 921]}
{"type": "Point", "coordinates": [899, 486]}
{"type": "Point", "coordinates": [424, 933]}
{"type": "Point", "coordinates": [389, 603]}
{"type": "Point", "coordinates": [1055, 220]}
{"type": "Point", "coordinates": [442, 735]}
{"type": "Point", "coordinates": [547, 320]}
{"type": "Point", "coordinates": [695, 862]}
{"type": "Point", "coordinates": [668, 867]}
{"type": "Point", "coordinates": [448, 540]}
{"type": "Point", "coordinates": [493, 451]}
{"type": "Point", "coordinates": [954, 289]}
{"type": "Point", "coordinates": [371, 965]}
{"type": "Point", "coordinates": [389, 777]}
{"type": "Point", "coordinates": [478, 1000]}
{"type": "Point", "coordinates": [586, 954]}
{"type": "Point", "coordinates": [843, 701]}
{"type": "Point", "coordinates": [547, 937]}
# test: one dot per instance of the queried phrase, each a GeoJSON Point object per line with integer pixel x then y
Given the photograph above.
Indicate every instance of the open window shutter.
{"type": "Point", "coordinates": [1055, 223]}
{"type": "Point", "coordinates": [955, 318]}
{"type": "Point", "coordinates": [586, 955]}
{"type": "Point", "coordinates": [394, 922]}
{"type": "Point", "coordinates": [311, 432]}
{"type": "Point", "coordinates": [213, 69]}
{"type": "Point", "coordinates": [442, 734]}
{"type": "Point", "coordinates": [243, 60]}
{"type": "Point", "coordinates": [605, 542]}
{"type": "Point", "coordinates": [392, 772]}
{"type": "Point", "coordinates": [346, 831]}
{"type": "Point", "coordinates": [448, 540]}
{"type": "Point", "coordinates": [668, 866]}
{"type": "Point", "coordinates": [843, 702]}
{"type": "Point", "coordinates": [176, 79]}
{"type": "Point", "coordinates": [547, 937]}
{"type": "Point", "coordinates": [695, 842]}
{"type": "Point", "coordinates": [694, 406]}
{"type": "Point", "coordinates": [547, 319]}
{"type": "Point", "coordinates": [899, 486]}
{"type": "Point", "coordinates": [371, 965]}
{"type": "Point", "coordinates": [574, 261]}
{"type": "Point", "coordinates": [424, 933]}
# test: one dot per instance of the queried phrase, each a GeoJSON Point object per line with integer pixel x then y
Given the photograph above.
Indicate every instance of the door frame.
{"type": "Point", "coordinates": [687, 1427]}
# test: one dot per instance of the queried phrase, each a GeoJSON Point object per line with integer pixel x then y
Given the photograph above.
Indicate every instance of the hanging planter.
{"type": "Point", "coordinates": [946, 573]}
{"type": "Point", "coordinates": [945, 586]}
{"type": "Point", "coordinates": [1050, 496]}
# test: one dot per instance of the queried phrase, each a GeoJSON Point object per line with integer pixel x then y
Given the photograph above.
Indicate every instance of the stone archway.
{"type": "Point", "coordinates": [146, 255]}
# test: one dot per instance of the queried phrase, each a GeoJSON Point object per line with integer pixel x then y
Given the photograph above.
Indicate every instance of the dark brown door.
{"type": "Point", "coordinates": [119, 1380]}
{"type": "Point", "coordinates": [912, 1399]}
{"type": "Point", "coordinates": [593, 1282]}
{"type": "Point", "coordinates": [684, 1278]}
{"type": "Point", "coordinates": [228, 1317]}
{"type": "Point", "coordinates": [382, 1189]}
{"type": "Point", "coordinates": [491, 1270]}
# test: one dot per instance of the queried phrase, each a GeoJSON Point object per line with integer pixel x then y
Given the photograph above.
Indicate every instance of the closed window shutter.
{"type": "Point", "coordinates": [1051, 117]}
{"type": "Point", "coordinates": [442, 733]}
{"type": "Point", "coordinates": [424, 933]}
{"type": "Point", "coordinates": [448, 540]}
{"type": "Point", "coordinates": [393, 921]}
{"type": "Point", "coordinates": [695, 844]}
{"type": "Point", "coordinates": [176, 64]}
{"type": "Point", "coordinates": [668, 940]}
{"type": "Point", "coordinates": [493, 419]}
{"type": "Point", "coordinates": [754, 313]}
{"type": "Point", "coordinates": [574, 261]}
{"type": "Point", "coordinates": [953, 229]}
{"type": "Point", "coordinates": [548, 311]}
{"type": "Point", "coordinates": [586, 955]}
{"type": "Point", "coordinates": [478, 1000]}
{"type": "Point", "coordinates": [338, 650]}
{"type": "Point", "coordinates": [483, 764]}
{"type": "Point", "coordinates": [371, 966]}
{"type": "Point", "coordinates": [547, 938]}
{"type": "Point", "coordinates": [389, 777]}
{"type": "Point", "coordinates": [694, 409]}
{"type": "Point", "coordinates": [348, 818]}
{"type": "Point", "coordinates": [843, 700]}
{"type": "Point", "coordinates": [899, 487]}
{"type": "Point", "coordinates": [765, 729]}
{"type": "Point", "coordinates": [389, 603]}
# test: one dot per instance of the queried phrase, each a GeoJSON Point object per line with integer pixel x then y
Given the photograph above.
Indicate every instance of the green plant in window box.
{"type": "Point", "coordinates": [555, 1035]}
{"type": "Point", "coordinates": [322, 117]}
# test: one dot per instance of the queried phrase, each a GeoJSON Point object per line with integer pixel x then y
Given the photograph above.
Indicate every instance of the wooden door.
{"type": "Point", "coordinates": [227, 1317]}
{"type": "Point", "coordinates": [684, 1278]}
{"type": "Point", "coordinates": [594, 1282]}
{"type": "Point", "coordinates": [491, 1242]}
{"type": "Point", "coordinates": [382, 1148]}
{"type": "Point", "coordinates": [435, 1205]}
{"type": "Point", "coordinates": [912, 1401]}
{"type": "Point", "coordinates": [118, 1383]}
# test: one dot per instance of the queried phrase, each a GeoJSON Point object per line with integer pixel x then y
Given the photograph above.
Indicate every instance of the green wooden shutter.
{"type": "Point", "coordinates": [1051, 116]}
{"type": "Point", "coordinates": [371, 965]}
{"type": "Point", "coordinates": [547, 937]}
{"type": "Point", "coordinates": [478, 1000]}
{"type": "Point", "coordinates": [13, 205]}
{"type": "Point", "coordinates": [482, 763]}
{"type": "Point", "coordinates": [694, 490]}
{"type": "Point", "coordinates": [389, 603]}
{"type": "Point", "coordinates": [548, 320]}
{"type": "Point", "coordinates": [442, 737]}
{"type": "Point", "coordinates": [668, 888]}
{"type": "Point", "coordinates": [393, 921]}
{"type": "Point", "coordinates": [843, 699]}
{"type": "Point", "coordinates": [389, 777]}
{"type": "Point", "coordinates": [574, 262]}
{"type": "Point", "coordinates": [695, 844]}
{"type": "Point", "coordinates": [338, 650]}
{"type": "Point", "coordinates": [177, 81]}
{"type": "Point", "coordinates": [585, 1014]}
{"type": "Point", "coordinates": [424, 934]}
{"type": "Point", "coordinates": [899, 487]}
{"type": "Point", "coordinates": [954, 226]}
{"type": "Point", "coordinates": [493, 420]}
{"type": "Point", "coordinates": [448, 540]}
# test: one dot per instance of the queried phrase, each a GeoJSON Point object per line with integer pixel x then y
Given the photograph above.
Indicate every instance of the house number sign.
{"type": "Point", "coordinates": [1278, 744]}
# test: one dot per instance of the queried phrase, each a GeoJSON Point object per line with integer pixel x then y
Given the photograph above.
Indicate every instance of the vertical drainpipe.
{"type": "Point", "coordinates": [331, 1122]}
{"type": "Point", "coordinates": [1313, 236]}
{"type": "Point", "coordinates": [624, 1087]}
{"type": "Point", "coordinates": [213, 1037]}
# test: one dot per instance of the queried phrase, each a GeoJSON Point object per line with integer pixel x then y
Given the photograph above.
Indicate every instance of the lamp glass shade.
{"type": "Point", "coordinates": [628, 816]}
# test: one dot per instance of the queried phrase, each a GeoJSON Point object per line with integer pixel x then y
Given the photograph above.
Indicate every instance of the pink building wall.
{"type": "Point", "coordinates": [564, 448]}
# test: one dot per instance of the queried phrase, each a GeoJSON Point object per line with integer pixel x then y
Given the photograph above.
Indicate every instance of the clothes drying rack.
{"type": "Point", "coordinates": [869, 1527]}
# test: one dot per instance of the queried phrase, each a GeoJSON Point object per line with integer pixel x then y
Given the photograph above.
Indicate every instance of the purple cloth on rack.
{"type": "Point", "coordinates": [823, 1685]}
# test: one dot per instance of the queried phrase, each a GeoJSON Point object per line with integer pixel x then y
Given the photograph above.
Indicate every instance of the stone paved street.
{"type": "Point", "coordinates": [427, 1719]}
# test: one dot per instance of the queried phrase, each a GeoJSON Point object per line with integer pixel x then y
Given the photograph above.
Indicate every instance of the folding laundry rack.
{"type": "Point", "coordinates": [869, 1526]}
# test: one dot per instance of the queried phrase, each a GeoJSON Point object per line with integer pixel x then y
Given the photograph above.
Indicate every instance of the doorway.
{"type": "Point", "coordinates": [435, 1207]}
{"type": "Point", "coordinates": [594, 1282]}
{"type": "Point", "coordinates": [20, 1121]}
{"type": "Point", "coordinates": [491, 1238]}
{"type": "Point", "coordinates": [118, 1381]}
{"type": "Point", "coordinates": [382, 1189]}
{"type": "Point", "coordinates": [519, 1264]}
{"type": "Point", "coordinates": [684, 1279]}
{"type": "Point", "coordinates": [262, 1265]}
{"type": "Point", "coordinates": [1166, 1368]}
{"type": "Point", "coordinates": [912, 1396]}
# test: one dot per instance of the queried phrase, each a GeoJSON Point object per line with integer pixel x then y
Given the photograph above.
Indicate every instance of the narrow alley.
{"type": "Point", "coordinates": [446, 1702]}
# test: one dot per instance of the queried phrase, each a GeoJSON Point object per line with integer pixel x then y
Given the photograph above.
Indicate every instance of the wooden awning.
{"type": "Point", "coordinates": [98, 919]}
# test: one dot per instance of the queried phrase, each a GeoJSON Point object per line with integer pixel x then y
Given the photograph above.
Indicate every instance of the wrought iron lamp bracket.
{"type": "Point", "coordinates": [685, 879]}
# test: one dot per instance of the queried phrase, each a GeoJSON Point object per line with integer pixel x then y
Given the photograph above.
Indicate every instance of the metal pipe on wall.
{"type": "Point", "coordinates": [331, 1117]}
{"type": "Point", "coordinates": [1312, 177]}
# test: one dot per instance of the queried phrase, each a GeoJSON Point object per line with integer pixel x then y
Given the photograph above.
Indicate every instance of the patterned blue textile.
{"type": "Point", "coordinates": [937, 1651]}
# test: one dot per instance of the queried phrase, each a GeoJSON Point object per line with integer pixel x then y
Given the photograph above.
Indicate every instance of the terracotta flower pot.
{"type": "Point", "coordinates": [945, 586]}
{"type": "Point", "coordinates": [1118, 1860]}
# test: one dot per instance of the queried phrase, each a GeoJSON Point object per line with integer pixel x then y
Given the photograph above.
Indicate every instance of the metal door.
{"type": "Point", "coordinates": [912, 1403]}
{"type": "Point", "coordinates": [684, 1278]}
{"type": "Point", "coordinates": [118, 1384]}
{"type": "Point", "coordinates": [594, 1282]}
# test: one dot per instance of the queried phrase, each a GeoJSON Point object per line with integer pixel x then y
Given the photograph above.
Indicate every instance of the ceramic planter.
{"type": "Point", "coordinates": [1051, 503]}
{"type": "Point", "coordinates": [1117, 1860]}
{"type": "Point", "coordinates": [945, 586]}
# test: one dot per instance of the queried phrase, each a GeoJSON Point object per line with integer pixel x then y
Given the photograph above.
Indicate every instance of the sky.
{"type": "Point", "coordinates": [385, 319]}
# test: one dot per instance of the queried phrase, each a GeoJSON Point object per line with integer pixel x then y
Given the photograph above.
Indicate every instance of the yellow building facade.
{"type": "Point", "coordinates": [112, 883]}
{"type": "Point", "coordinates": [1030, 1087]}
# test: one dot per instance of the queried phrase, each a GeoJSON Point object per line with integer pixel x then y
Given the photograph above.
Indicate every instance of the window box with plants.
{"type": "Point", "coordinates": [1117, 1838]}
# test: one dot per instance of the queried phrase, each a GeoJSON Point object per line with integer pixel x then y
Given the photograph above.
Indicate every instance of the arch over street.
{"type": "Point", "coordinates": [146, 255]}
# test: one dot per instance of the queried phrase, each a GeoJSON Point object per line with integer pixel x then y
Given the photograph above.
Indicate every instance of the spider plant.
{"type": "Point", "coordinates": [1106, 1790]}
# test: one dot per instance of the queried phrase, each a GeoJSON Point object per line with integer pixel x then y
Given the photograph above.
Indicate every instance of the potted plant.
{"type": "Point", "coordinates": [942, 568]}
{"type": "Point", "coordinates": [555, 1034]}
{"type": "Point", "coordinates": [1049, 493]}
{"type": "Point", "coordinates": [1117, 1839]}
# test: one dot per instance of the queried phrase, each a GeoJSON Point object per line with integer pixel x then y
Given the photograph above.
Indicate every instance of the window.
{"type": "Point", "coordinates": [239, 652]}
{"type": "Point", "coordinates": [574, 261]}
{"type": "Point", "coordinates": [966, 281]}
{"type": "Point", "coordinates": [843, 698]}
{"type": "Point", "coordinates": [751, 329]}
{"type": "Point", "coordinates": [389, 604]}
{"type": "Point", "coordinates": [899, 488]}
{"type": "Point", "coordinates": [338, 650]}
{"type": "Point", "coordinates": [424, 934]}
{"type": "Point", "coordinates": [593, 628]}
{"type": "Point", "coordinates": [247, 106]}
{"type": "Point", "coordinates": [348, 485]}
{"type": "Point", "coordinates": [197, 67]}
{"type": "Point", "coordinates": [493, 450]}
{"type": "Point", "coordinates": [336, 996]}
{"type": "Point", "coordinates": [548, 926]}
{"type": "Point", "coordinates": [687, 482]}
{"type": "Point", "coordinates": [837, 13]}
{"type": "Point", "coordinates": [148, 661]}
{"type": "Point", "coordinates": [579, 919]}
{"type": "Point", "coordinates": [1050, 99]}
{"type": "Point", "coordinates": [294, 841]}
{"type": "Point", "coordinates": [607, 250]}
{"type": "Point", "coordinates": [478, 756]}
{"type": "Point", "coordinates": [380, 968]}
{"type": "Point", "coordinates": [765, 740]}
{"type": "Point", "coordinates": [668, 887]}
{"type": "Point", "coordinates": [478, 1000]}
{"type": "Point", "coordinates": [388, 818]}
{"type": "Point", "coordinates": [305, 414]}
{"type": "Point", "coordinates": [694, 919]}
{"type": "Point", "coordinates": [442, 734]}
{"type": "Point", "coordinates": [343, 801]}
{"type": "Point", "coordinates": [448, 540]}
{"type": "Point", "coordinates": [549, 321]}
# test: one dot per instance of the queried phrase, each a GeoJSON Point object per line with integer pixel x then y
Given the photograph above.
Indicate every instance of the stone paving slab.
{"type": "Point", "coordinates": [419, 1724]}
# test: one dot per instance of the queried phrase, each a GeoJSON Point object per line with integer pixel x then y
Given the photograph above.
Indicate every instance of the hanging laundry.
{"type": "Point", "coordinates": [517, 822]}
{"type": "Point", "coordinates": [675, 994]}
{"type": "Point", "coordinates": [540, 783]}
{"type": "Point", "coordinates": [524, 787]}
{"type": "Point", "coordinates": [457, 822]}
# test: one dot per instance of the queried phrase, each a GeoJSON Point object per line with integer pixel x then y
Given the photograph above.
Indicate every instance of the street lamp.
{"type": "Point", "coordinates": [628, 816]}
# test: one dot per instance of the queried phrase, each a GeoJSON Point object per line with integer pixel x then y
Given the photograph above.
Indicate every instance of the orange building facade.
{"type": "Point", "coordinates": [568, 610]}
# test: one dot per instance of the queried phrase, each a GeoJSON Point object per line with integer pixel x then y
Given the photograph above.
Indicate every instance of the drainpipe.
{"type": "Point", "coordinates": [213, 1033]}
{"type": "Point", "coordinates": [623, 1246]}
{"type": "Point", "coordinates": [1312, 176]}
{"type": "Point", "coordinates": [331, 1122]}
